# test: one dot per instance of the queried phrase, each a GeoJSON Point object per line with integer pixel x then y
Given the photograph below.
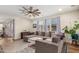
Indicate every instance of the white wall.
{"type": "Point", "coordinates": [1, 26]}
{"type": "Point", "coordinates": [21, 24]}
{"type": "Point", "coordinates": [68, 19]}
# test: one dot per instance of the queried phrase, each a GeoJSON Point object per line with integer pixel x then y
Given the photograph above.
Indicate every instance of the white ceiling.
{"type": "Point", "coordinates": [46, 10]}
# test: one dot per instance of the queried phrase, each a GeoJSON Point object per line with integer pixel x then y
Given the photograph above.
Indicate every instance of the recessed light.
{"type": "Point", "coordinates": [60, 9]}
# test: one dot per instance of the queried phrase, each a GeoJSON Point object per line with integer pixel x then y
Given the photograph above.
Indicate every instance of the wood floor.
{"type": "Point", "coordinates": [72, 48]}
{"type": "Point", "coordinates": [15, 46]}
{"type": "Point", "coordinates": [10, 46]}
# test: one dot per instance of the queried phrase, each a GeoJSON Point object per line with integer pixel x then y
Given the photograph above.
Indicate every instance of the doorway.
{"type": "Point", "coordinates": [8, 29]}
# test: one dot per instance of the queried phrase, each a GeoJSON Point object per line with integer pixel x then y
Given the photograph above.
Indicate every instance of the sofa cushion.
{"type": "Point", "coordinates": [55, 39]}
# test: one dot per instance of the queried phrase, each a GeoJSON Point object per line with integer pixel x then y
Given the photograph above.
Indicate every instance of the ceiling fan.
{"type": "Point", "coordinates": [30, 11]}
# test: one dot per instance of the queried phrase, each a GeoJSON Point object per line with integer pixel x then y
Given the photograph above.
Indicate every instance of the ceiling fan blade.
{"type": "Point", "coordinates": [26, 13]}
{"type": "Point", "coordinates": [30, 8]}
{"type": "Point", "coordinates": [30, 11]}
{"type": "Point", "coordinates": [23, 11]}
{"type": "Point", "coordinates": [24, 8]}
{"type": "Point", "coordinates": [36, 10]}
{"type": "Point", "coordinates": [36, 14]}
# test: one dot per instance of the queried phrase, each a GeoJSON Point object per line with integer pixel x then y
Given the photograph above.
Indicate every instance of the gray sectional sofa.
{"type": "Point", "coordinates": [44, 46]}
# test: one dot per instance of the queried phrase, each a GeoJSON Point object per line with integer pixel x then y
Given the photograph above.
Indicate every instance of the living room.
{"type": "Point", "coordinates": [30, 29]}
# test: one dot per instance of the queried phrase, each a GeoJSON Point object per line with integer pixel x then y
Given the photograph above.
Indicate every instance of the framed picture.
{"type": "Point", "coordinates": [34, 25]}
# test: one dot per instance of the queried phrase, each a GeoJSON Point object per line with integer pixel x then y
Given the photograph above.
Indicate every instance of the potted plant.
{"type": "Point", "coordinates": [72, 31]}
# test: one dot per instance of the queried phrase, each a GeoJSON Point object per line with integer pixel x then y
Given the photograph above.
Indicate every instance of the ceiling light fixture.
{"type": "Point", "coordinates": [60, 9]}
{"type": "Point", "coordinates": [30, 11]}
